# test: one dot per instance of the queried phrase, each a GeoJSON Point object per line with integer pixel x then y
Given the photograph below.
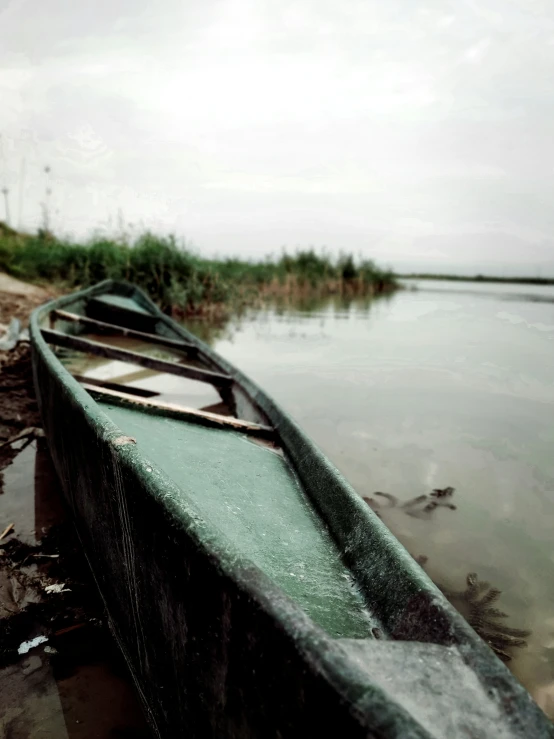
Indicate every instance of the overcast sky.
{"type": "Point", "coordinates": [418, 133]}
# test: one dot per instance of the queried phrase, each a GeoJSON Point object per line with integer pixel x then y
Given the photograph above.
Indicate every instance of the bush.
{"type": "Point", "coordinates": [174, 276]}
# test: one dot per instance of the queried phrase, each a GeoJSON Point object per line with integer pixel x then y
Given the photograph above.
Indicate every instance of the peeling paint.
{"type": "Point", "coordinates": [122, 440]}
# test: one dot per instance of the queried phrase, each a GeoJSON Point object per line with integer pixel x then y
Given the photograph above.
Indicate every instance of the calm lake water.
{"type": "Point", "coordinates": [449, 385]}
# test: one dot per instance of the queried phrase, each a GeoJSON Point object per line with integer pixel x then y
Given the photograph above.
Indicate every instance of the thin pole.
{"type": "Point", "coordinates": [6, 192]}
{"type": "Point", "coordinates": [21, 193]}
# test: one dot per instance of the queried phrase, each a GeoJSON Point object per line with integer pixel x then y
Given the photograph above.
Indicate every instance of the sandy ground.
{"type": "Point", "coordinates": [17, 287]}
{"type": "Point", "coordinates": [18, 299]}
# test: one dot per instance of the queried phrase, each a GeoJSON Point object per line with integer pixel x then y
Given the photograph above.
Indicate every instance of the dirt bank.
{"type": "Point", "coordinates": [18, 408]}
{"type": "Point", "coordinates": [18, 299]}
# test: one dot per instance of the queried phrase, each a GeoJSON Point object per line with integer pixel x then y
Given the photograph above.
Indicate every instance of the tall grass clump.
{"type": "Point", "coordinates": [180, 280]}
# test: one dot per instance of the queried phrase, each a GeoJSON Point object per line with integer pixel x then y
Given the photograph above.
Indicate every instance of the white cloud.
{"type": "Point", "coordinates": [477, 52]}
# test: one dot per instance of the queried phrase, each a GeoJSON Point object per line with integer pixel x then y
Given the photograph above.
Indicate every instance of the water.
{"type": "Point", "coordinates": [449, 385]}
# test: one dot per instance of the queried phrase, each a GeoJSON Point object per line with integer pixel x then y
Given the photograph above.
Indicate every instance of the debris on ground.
{"type": "Point", "coordinates": [6, 531]}
{"type": "Point", "coordinates": [31, 432]}
{"type": "Point", "coordinates": [45, 587]}
{"type": "Point", "coordinates": [57, 587]}
{"type": "Point", "coordinates": [18, 408]}
{"type": "Point", "coordinates": [11, 336]}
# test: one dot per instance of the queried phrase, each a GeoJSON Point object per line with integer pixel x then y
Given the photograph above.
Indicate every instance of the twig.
{"type": "Point", "coordinates": [6, 531]}
{"type": "Point", "coordinates": [30, 431]}
{"type": "Point", "coordinates": [68, 629]}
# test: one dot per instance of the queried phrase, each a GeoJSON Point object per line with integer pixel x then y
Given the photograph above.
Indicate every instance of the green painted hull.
{"type": "Point", "coordinates": [253, 593]}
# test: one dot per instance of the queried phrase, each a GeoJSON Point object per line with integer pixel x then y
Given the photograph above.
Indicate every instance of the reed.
{"type": "Point", "coordinates": [180, 280]}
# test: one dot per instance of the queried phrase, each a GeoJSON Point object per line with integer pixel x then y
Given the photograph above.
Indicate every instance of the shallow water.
{"type": "Point", "coordinates": [449, 385]}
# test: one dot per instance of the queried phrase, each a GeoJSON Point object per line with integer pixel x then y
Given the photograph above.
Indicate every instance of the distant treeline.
{"type": "Point", "coordinates": [482, 278]}
{"type": "Point", "coordinates": [180, 279]}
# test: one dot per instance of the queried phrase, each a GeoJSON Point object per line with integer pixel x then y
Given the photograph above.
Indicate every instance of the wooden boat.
{"type": "Point", "coordinates": [252, 592]}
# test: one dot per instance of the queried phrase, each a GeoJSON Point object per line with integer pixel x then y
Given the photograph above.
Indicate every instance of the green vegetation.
{"type": "Point", "coordinates": [180, 280]}
{"type": "Point", "coordinates": [483, 278]}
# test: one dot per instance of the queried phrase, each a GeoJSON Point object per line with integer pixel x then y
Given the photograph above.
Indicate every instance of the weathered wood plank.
{"type": "Point", "coordinates": [112, 328]}
{"type": "Point", "coordinates": [187, 414]}
{"type": "Point", "coordinates": [134, 375]}
{"type": "Point", "coordinates": [124, 355]}
{"type": "Point", "coordinates": [138, 391]}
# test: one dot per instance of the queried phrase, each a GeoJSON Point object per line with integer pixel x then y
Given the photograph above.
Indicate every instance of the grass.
{"type": "Point", "coordinates": [181, 281]}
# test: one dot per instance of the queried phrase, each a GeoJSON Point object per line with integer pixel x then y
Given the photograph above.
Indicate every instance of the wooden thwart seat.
{"type": "Point", "coordinates": [127, 389]}
{"type": "Point", "coordinates": [56, 338]}
{"type": "Point", "coordinates": [182, 412]}
{"type": "Point", "coordinates": [111, 328]}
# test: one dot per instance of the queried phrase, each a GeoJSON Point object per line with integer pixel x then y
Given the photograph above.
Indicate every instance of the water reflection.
{"type": "Point", "coordinates": [212, 331]}
{"type": "Point", "coordinates": [285, 308]}
{"type": "Point", "coordinates": [443, 386]}
{"type": "Point", "coordinates": [340, 304]}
